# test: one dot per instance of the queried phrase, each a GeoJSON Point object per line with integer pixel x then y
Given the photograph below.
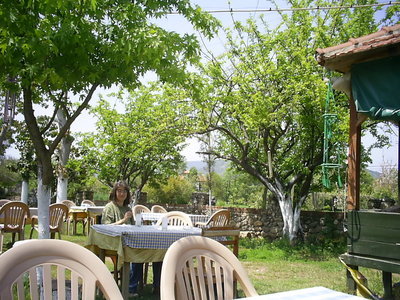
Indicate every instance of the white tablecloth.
{"type": "Point", "coordinates": [93, 210]}
{"type": "Point", "coordinates": [314, 293]}
{"type": "Point", "coordinates": [33, 211]}
{"type": "Point", "coordinates": [154, 217]}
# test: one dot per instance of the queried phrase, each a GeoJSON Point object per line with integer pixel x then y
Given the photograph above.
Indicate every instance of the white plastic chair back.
{"type": "Point", "coordinates": [198, 268]}
{"type": "Point", "coordinates": [176, 218]}
{"type": "Point", "coordinates": [59, 262]}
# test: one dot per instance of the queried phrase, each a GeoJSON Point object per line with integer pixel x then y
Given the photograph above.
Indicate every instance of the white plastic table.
{"type": "Point", "coordinates": [314, 293]}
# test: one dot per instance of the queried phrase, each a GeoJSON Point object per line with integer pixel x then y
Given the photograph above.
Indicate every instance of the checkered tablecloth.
{"type": "Point", "coordinates": [147, 237]}
{"type": "Point", "coordinates": [153, 217]}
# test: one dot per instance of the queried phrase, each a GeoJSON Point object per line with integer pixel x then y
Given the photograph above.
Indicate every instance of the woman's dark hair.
{"type": "Point", "coordinates": [113, 194]}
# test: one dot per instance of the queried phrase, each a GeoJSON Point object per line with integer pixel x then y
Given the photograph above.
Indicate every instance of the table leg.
{"type": "Point", "coordinates": [102, 255]}
{"type": "Point", "coordinates": [236, 246]}
{"type": "Point", "coordinates": [125, 280]}
{"type": "Point", "coordinates": [74, 229]}
{"type": "Point", "coordinates": [351, 284]}
{"type": "Point", "coordinates": [89, 218]}
{"type": "Point", "coordinates": [387, 285]}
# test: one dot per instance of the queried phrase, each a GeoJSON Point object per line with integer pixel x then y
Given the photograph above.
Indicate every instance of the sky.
{"type": "Point", "coordinates": [85, 122]}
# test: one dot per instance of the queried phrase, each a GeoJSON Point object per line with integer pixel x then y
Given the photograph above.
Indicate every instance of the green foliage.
{"type": "Point", "coordinates": [266, 95]}
{"type": "Point", "coordinates": [386, 186]}
{"type": "Point", "coordinates": [8, 177]}
{"type": "Point", "coordinates": [392, 15]}
{"type": "Point", "coordinates": [58, 47]}
{"type": "Point", "coordinates": [72, 44]}
{"type": "Point", "coordinates": [261, 249]}
{"type": "Point", "coordinates": [240, 189]}
{"type": "Point", "coordinates": [141, 144]}
{"type": "Point", "coordinates": [177, 190]}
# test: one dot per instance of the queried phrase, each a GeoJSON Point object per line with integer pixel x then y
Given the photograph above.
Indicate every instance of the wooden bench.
{"type": "Point", "coordinates": [373, 241]}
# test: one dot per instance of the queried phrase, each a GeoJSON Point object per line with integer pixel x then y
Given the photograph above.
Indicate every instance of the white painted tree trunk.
{"type": "Point", "coordinates": [63, 154]}
{"type": "Point", "coordinates": [290, 216]}
{"type": "Point", "coordinates": [43, 198]}
{"type": "Point", "coordinates": [25, 191]}
{"type": "Point", "coordinates": [62, 188]}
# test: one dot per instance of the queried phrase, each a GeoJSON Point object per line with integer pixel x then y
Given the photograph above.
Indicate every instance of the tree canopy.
{"type": "Point", "coordinates": [53, 50]}
{"type": "Point", "coordinates": [56, 47]}
{"type": "Point", "coordinates": [265, 97]}
{"type": "Point", "coordinates": [142, 142]}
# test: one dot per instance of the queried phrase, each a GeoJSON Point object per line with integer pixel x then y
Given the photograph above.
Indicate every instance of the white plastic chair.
{"type": "Point", "coordinates": [71, 261]}
{"type": "Point", "coordinates": [197, 267]}
{"type": "Point", "coordinates": [220, 218]}
{"type": "Point", "coordinates": [139, 209]}
{"type": "Point", "coordinates": [158, 209]}
{"type": "Point", "coordinates": [58, 212]}
{"type": "Point", "coordinates": [90, 220]}
{"type": "Point", "coordinates": [87, 203]}
{"type": "Point", "coordinates": [4, 201]}
{"type": "Point", "coordinates": [14, 214]}
{"type": "Point", "coordinates": [176, 218]}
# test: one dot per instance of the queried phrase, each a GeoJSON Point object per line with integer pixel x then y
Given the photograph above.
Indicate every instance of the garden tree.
{"type": "Point", "coordinates": [140, 144]}
{"type": "Point", "coordinates": [367, 187]}
{"type": "Point", "coordinates": [8, 177]}
{"type": "Point", "coordinates": [63, 153]}
{"type": "Point", "coordinates": [206, 149]}
{"type": "Point", "coordinates": [26, 164]}
{"type": "Point", "coordinates": [217, 187]}
{"type": "Point", "coordinates": [240, 189]}
{"type": "Point", "coordinates": [386, 185]}
{"type": "Point", "coordinates": [80, 176]}
{"type": "Point", "coordinates": [7, 114]}
{"type": "Point", "coordinates": [192, 176]}
{"type": "Point", "coordinates": [392, 15]}
{"type": "Point", "coordinates": [264, 99]}
{"type": "Point", "coordinates": [176, 190]}
{"type": "Point", "coordinates": [74, 47]}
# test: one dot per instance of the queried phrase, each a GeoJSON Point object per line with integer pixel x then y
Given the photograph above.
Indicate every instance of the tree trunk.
{"type": "Point", "coordinates": [25, 191]}
{"type": "Point", "coordinates": [264, 198]}
{"type": "Point", "coordinates": [291, 218]}
{"type": "Point", "coordinates": [63, 154]}
{"type": "Point", "coordinates": [43, 197]}
{"type": "Point", "coordinates": [62, 188]}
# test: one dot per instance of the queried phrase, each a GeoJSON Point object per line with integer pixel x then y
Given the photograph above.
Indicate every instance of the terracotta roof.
{"type": "Point", "coordinates": [381, 44]}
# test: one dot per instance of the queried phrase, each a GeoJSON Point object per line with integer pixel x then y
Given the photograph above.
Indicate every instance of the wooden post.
{"type": "Point", "coordinates": [354, 160]}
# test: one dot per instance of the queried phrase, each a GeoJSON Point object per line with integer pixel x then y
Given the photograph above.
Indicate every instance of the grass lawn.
{"type": "Point", "coordinates": [276, 267]}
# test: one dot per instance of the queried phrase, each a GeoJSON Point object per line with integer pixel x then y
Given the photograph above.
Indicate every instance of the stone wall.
{"type": "Point", "coordinates": [268, 223]}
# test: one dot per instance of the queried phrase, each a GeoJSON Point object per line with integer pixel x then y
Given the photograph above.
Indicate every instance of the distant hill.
{"type": "Point", "coordinates": [219, 167]}
{"type": "Point", "coordinates": [374, 174]}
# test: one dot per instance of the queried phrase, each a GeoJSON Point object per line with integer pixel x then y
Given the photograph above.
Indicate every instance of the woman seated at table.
{"type": "Point", "coordinates": [118, 212]}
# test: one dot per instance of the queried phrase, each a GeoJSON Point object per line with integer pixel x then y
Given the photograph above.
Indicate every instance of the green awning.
{"type": "Point", "coordinates": [376, 88]}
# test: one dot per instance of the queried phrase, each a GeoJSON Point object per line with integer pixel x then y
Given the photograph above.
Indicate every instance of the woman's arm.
{"type": "Point", "coordinates": [128, 215]}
